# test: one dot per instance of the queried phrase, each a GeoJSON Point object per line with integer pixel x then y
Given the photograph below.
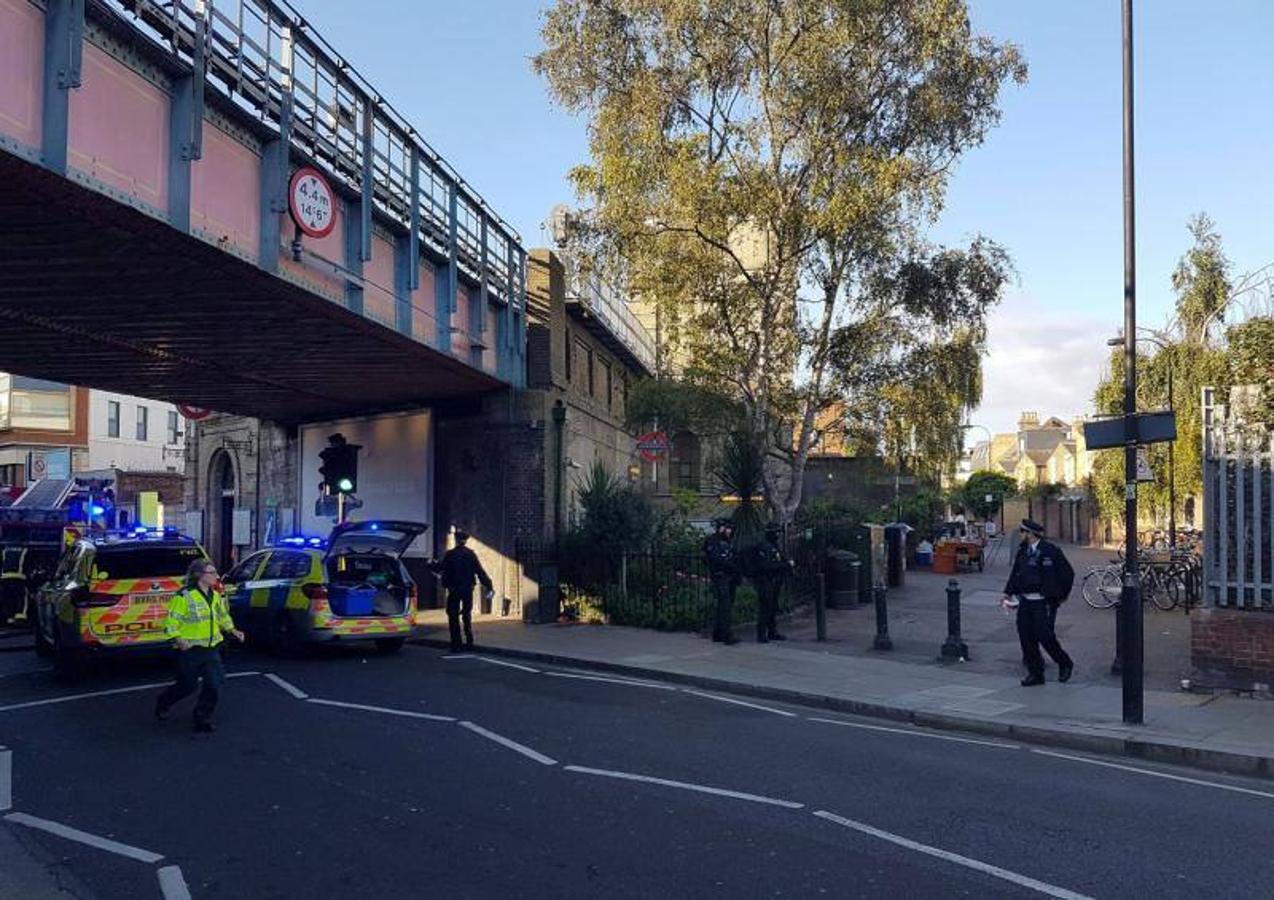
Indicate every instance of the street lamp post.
{"type": "Point", "coordinates": [1130, 611]}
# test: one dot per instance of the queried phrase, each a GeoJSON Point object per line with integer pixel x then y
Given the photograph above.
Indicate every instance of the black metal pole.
{"type": "Point", "coordinates": [1130, 603]}
{"type": "Point", "coordinates": [1172, 476]}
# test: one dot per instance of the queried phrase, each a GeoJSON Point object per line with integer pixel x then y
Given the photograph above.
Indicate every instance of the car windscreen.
{"type": "Point", "coordinates": [144, 562]}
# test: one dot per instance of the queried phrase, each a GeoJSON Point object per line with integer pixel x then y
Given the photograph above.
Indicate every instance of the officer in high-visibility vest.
{"type": "Point", "coordinates": [13, 582]}
{"type": "Point", "coordinates": [197, 618]}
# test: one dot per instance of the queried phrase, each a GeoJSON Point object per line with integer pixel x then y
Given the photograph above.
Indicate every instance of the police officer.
{"type": "Point", "coordinates": [1040, 581]}
{"type": "Point", "coordinates": [13, 582]}
{"type": "Point", "coordinates": [769, 567]}
{"type": "Point", "coordinates": [460, 568]}
{"type": "Point", "coordinates": [723, 569]}
{"type": "Point", "coordinates": [197, 618]}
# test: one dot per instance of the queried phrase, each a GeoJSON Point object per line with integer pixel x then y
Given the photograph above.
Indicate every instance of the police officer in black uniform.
{"type": "Point", "coordinates": [770, 566]}
{"type": "Point", "coordinates": [460, 568]}
{"type": "Point", "coordinates": [1040, 581]}
{"type": "Point", "coordinates": [723, 569]}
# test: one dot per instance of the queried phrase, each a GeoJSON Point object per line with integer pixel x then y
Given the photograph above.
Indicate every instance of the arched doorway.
{"type": "Point", "coordinates": [220, 506]}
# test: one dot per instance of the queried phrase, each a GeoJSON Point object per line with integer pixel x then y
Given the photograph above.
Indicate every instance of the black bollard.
{"type": "Point", "coordinates": [954, 647]}
{"type": "Point", "coordinates": [882, 641]}
{"type": "Point", "coordinates": [820, 608]}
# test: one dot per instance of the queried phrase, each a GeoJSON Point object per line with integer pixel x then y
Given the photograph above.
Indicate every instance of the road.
{"type": "Point", "coordinates": [475, 776]}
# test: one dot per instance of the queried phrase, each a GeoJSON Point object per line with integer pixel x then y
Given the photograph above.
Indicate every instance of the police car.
{"type": "Point", "coordinates": [110, 593]}
{"type": "Point", "coordinates": [352, 586]}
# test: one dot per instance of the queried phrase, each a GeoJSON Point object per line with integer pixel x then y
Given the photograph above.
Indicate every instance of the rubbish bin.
{"type": "Point", "coordinates": [842, 579]}
{"type": "Point", "coordinates": [895, 554]}
{"type": "Point", "coordinates": [868, 541]}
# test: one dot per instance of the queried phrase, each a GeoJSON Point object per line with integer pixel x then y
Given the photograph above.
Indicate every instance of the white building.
{"type": "Point", "coordinates": [134, 434]}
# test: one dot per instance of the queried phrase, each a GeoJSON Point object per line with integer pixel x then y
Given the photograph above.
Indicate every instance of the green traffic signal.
{"type": "Point", "coordinates": [345, 485]}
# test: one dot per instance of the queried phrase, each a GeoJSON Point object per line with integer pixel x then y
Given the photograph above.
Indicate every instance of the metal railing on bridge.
{"type": "Point", "coordinates": [272, 65]}
{"type": "Point", "coordinates": [606, 304]}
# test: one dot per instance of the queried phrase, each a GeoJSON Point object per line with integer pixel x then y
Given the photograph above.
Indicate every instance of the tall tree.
{"type": "Point", "coordinates": [765, 170]}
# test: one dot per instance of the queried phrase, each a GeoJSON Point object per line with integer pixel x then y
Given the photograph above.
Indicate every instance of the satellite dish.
{"type": "Point", "coordinates": [562, 220]}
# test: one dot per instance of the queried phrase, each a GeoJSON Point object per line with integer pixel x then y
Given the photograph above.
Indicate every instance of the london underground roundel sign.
{"type": "Point", "coordinates": [312, 203]}
{"type": "Point", "coordinates": [652, 445]}
{"type": "Point", "coordinates": [193, 413]}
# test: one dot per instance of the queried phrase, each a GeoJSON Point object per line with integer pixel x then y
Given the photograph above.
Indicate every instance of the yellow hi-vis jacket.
{"type": "Point", "coordinates": [197, 618]}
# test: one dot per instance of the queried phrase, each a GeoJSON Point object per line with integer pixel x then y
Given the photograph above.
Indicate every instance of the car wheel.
{"type": "Point", "coordinates": [285, 635]}
{"type": "Point", "coordinates": [43, 648]}
{"type": "Point", "coordinates": [388, 646]}
{"type": "Point", "coordinates": [68, 663]}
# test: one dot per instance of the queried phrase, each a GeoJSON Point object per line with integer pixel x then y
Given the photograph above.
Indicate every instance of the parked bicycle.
{"type": "Point", "coordinates": [1168, 580]}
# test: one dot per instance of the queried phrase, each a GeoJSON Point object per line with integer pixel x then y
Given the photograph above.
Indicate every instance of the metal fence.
{"type": "Point", "coordinates": [1238, 486]}
{"type": "Point", "coordinates": [656, 587]}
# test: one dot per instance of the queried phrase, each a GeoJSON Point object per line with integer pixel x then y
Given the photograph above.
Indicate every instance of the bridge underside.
{"type": "Point", "coordinates": [96, 293]}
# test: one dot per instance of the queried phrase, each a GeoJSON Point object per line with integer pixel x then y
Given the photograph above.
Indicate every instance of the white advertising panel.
{"type": "Point", "coordinates": [395, 471]}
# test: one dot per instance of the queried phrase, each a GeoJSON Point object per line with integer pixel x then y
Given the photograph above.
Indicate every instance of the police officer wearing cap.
{"type": "Point", "coordinates": [723, 570]}
{"type": "Point", "coordinates": [769, 567]}
{"type": "Point", "coordinates": [1040, 581]}
{"type": "Point", "coordinates": [460, 568]}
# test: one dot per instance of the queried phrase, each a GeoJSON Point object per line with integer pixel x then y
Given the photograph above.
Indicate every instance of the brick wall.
{"type": "Point", "coordinates": [1232, 647]}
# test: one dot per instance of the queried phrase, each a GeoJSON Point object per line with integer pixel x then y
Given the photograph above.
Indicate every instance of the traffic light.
{"type": "Point", "coordinates": [340, 465]}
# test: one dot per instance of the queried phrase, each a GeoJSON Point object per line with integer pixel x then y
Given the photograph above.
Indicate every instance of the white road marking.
{"type": "Point", "coordinates": [83, 837]}
{"type": "Point", "coordinates": [6, 779]}
{"type": "Point", "coordinates": [507, 665]}
{"type": "Point", "coordinates": [769, 709]}
{"type": "Point", "coordinates": [686, 786]}
{"type": "Point", "coordinates": [645, 684]}
{"type": "Point", "coordinates": [458, 656]}
{"type": "Point", "coordinates": [406, 713]}
{"type": "Point", "coordinates": [288, 686]}
{"type": "Point", "coordinates": [977, 865]}
{"type": "Point", "coordinates": [511, 744]}
{"type": "Point", "coordinates": [68, 698]}
{"type": "Point", "coordinates": [173, 884]}
{"type": "Point", "coordinates": [913, 733]}
{"type": "Point", "coordinates": [241, 674]}
{"type": "Point", "coordinates": [1154, 774]}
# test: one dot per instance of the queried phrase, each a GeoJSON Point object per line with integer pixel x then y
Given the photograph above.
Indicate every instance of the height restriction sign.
{"type": "Point", "coordinates": [312, 203]}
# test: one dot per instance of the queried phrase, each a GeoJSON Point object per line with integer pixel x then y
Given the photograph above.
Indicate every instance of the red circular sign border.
{"type": "Point", "coordinates": [652, 455]}
{"type": "Point", "coordinates": [193, 413]}
{"type": "Point", "coordinates": [305, 229]}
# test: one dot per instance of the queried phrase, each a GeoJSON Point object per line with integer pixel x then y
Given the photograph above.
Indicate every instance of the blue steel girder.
{"type": "Point", "coordinates": [63, 66]}
{"type": "Point", "coordinates": [269, 63]}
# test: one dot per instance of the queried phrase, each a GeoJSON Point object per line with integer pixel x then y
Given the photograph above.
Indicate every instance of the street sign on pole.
{"type": "Point", "coordinates": [1144, 472]}
{"type": "Point", "coordinates": [1151, 428]}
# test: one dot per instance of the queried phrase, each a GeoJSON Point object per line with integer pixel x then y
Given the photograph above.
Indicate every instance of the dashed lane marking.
{"type": "Point", "coordinates": [83, 837]}
{"type": "Point", "coordinates": [507, 665]}
{"type": "Point", "coordinates": [510, 744]}
{"type": "Point", "coordinates": [1042, 887]}
{"type": "Point", "coordinates": [913, 733]}
{"type": "Point", "coordinates": [172, 884]}
{"type": "Point", "coordinates": [686, 786]}
{"type": "Point", "coordinates": [1153, 774]}
{"type": "Point", "coordinates": [287, 686]}
{"type": "Point", "coordinates": [769, 709]}
{"type": "Point", "coordinates": [645, 684]}
{"type": "Point", "coordinates": [384, 710]}
{"type": "Point", "coordinates": [85, 696]}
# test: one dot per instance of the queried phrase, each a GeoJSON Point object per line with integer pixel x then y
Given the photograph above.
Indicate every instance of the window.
{"type": "Point", "coordinates": [172, 427]}
{"type": "Point", "coordinates": [244, 570]}
{"type": "Point", "coordinates": [570, 354]}
{"type": "Point", "coordinates": [685, 461]}
{"type": "Point", "coordinates": [112, 418]}
{"type": "Point", "coordinates": [592, 381]}
{"type": "Point", "coordinates": [142, 419]}
{"type": "Point", "coordinates": [145, 562]}
{"type": "Point", "coordinates": [35, 403]}
{"type": "Point", "coordinates": [605, 379]}
{"type": "Point", "coordinates": [286, 564]}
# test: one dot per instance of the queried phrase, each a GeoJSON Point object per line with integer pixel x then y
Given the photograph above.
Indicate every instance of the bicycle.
{"type": "Point", "coordinates": [1103, 585]}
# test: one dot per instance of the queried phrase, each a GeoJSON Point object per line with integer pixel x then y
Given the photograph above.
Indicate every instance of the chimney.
{"type": "Point", "coordinates": [1028, 421]}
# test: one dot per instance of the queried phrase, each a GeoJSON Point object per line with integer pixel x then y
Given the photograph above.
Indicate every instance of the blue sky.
{"type": "Point", "coordinates": [1046, 184]}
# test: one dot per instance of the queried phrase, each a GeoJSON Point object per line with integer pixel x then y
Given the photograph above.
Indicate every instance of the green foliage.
{"type": "Point", "coordinates": [741, 474]}
{"type": "Point", "coordinates": [1251, 361]}
{"type": "Point", "coordinates": [614, 516]}
{"type": "Point", "coordinates": [980, 485]}
{"type": "Point", "coordinates": [765, 172]}
{"type": "Point", "coordinates": [920, 510]}
{"type": "Point", "coordinates": [677, 405]}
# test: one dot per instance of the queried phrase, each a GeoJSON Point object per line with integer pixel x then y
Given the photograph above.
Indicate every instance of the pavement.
{"type": "Point", "coordinates": [1215, 731]}
{"type": "Point", "coordinates": [344, 773]}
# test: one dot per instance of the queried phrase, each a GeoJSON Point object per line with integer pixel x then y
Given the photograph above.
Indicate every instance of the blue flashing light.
{"type": "Point", "coordinates": [375, 526]}
{"type": "Point", "coordinates": [299, 540]}
{"type": "Point", "coordinates": [97, 510]}
{"type": "Point", "coordinates": [316, 542]}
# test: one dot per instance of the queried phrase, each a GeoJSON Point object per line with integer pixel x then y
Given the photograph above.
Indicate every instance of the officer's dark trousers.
{"type": "Point", "coordinates": [460, 606]}
{"type": "Point", "coordinates": [1035, 619]}
{"type": "Point", "coordinates": [194, 665]}
{"type": "Point", "coordinates": [13, 597]}
{"type": "Point", "coordinates": [767, 592]}
{"type": "Point", "coordinates": [723, 590]}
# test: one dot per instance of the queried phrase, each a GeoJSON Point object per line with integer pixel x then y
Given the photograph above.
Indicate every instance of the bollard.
{"type": "Point", "coordinates": [882, 641]}
{"type": "Point", "coordinates": [954, 647]}
{"type": "Point", "coordinates": [820, 608]}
